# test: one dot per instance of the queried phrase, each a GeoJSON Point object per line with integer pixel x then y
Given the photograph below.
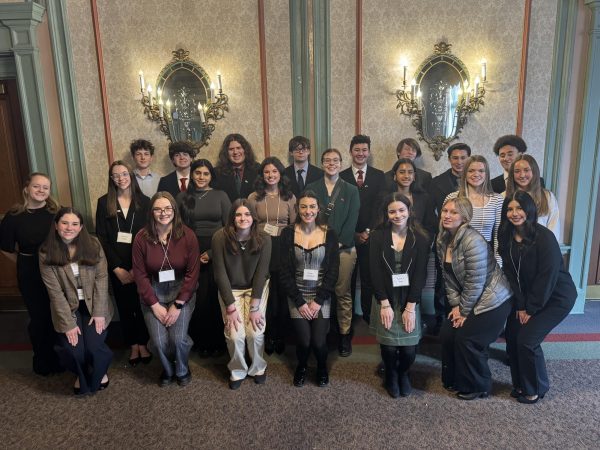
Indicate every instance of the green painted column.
{"type": "Point", "coordinates": [322, 64]}
{"type": "Point", "coordinates": [588, 168]}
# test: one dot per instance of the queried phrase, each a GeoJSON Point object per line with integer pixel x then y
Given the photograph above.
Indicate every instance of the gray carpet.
{"type": "Point", "coordinates": [353, 412]}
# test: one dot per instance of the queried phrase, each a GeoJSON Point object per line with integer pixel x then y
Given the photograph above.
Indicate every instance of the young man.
{"type": "Point", "coordinates": [507, 148]}
{"type": "Point", "coordinates": [340, 204]}
{"type": "Point", "coordinates": [301, 173]}
{"type": "Point", "coordinates": [236, 168]}
{"type": "Point", "coordinates": [181, 155]}
{"type": "Point", "coordinates": [142, 152]}
{"type": "Point", "coordinates": [410, 149]}
{"type": "Point", "coordinates": [371, 186]}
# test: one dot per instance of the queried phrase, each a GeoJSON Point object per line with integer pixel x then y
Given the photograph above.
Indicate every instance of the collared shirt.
{"type": "Point", "coordinates": [180, 176]}
{"type": "Point", "coordinates": [148, 184]}
{"type": "Point", "coordinates": [304, 168]}
{"type": "Point", "coordinates": [355, 172]}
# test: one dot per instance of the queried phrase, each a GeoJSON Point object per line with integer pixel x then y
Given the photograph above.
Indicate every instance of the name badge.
{"type": "Point", "coordinates": [400, 279]}
{"type": "Point", "coordinates": [272, 230]}
{"type": "Point", "coordinates": [80, 295]}
{"type": "Point", "coordinates": [124, 238]}
{"type": "Point", "coordinates": [311, 274]}
{"type": "Point", "coordinates": [166, 275]}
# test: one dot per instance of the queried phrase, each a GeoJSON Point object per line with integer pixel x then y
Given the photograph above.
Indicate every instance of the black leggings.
{"type": "Point", "coordinates": [399, 357]}
{"type": "Point", "coordinates": [311, 334]}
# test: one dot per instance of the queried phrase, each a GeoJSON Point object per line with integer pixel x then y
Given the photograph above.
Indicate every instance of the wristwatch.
{"type": "Point", "coordinates": [179, 305]}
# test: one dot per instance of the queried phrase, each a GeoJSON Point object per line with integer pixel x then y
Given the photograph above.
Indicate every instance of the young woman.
{"type": "Point", "coordinates": [22, 231]}
{"type": "Point", "coordinates": [205, 211]}
{"type": "Point", "coordinates": [241, 259]}
{"type": "Point", "coordinates": [120, 214]}
{"type": "Point", "coordinates": [275, 208]}
{"type": "Point", "coordinates": [405, 173]}
{"type": "Point", "coordinates": [544, 293]}
{"type": "Point", "coordinates": [73, 268]}
{"type": "Point", "coordinates": [475, 185]}
{"type": "Point", "coordinates": [524, 175]}
{"type": "Point", "coordinates": [309, 271]}
{"type": "Point", "coordinates": [478, 294]}
{"type": "Point", "coordinates": [399, 252]}
{"type": "Point", "coordinates": [165, 267]}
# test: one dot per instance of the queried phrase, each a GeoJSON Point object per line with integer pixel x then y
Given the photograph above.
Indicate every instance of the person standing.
{"type": "Point", "coordinates": [341, 213]}
{"type": "Point", "coordinates": [236, 168]}
{"type": "Point", "coordinates": [301, 172]}
{"type": "Point", "coordinates": [142, 152]}
{"type": "Point", "coordinates": [409, 148]}
{"type": "Point", "coordinates": [181, 154]}
{"type": "Point", "coordinates": [507, 148]}
{"type": "Point", "coordinates": [22, 231]}
{"type": "Point", "coordinates": [371, 185]}
{"type": "Point", "coordinates": [544, 293]}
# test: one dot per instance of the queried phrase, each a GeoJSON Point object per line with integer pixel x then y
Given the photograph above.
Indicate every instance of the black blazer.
{"type": "Point", "coordinates": [499, 185]}
{"type": "Point", "coordinates": [225, 181]}
{"type": "Point", "coordinates": [414, 260]}
{"type": "Point", "coordinates": [440, 187]}
{"type": "Point", "coordinates": [313, 173]}
{"type": "Point", "coordinates": [169, 184]}
{"type": "Point", "coordinates": [119, 254]}
{"type": "Point", "coordinates": [287, 271]}
{"type": "Point", "coordinates": [422, 180]}
{"type": "Point", "coordinates": [370, 195]}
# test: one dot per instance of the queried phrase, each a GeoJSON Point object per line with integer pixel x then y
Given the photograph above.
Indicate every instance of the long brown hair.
{"type": "Point", "coordinates": [319, 220]}
{"type": "Point", "coordinates": [231, 243]}
{"type": "Point", "coordinates": [149, 231]}
{"type": "Point", "coordinates": [87, 249]}
{"type": "Point", "coordinates": [51, 204]}
{"type": "Point", "coordinates": [411, 224]}
{"type": "Point", "coordinates": [223, 166]}
{"type": "Point", "coordinates": [112, 196]}
{"type": "Point", "coordinates": [535, 189]}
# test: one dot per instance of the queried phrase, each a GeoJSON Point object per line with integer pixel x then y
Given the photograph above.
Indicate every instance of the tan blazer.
{"type": "Point", "coordinates": [62, 288]}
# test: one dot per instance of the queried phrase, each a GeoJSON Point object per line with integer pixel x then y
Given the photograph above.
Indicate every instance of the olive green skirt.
{"type": "Point", "coordinates": [396, 335]}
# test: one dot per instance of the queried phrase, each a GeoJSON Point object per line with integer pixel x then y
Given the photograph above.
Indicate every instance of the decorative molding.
{"type": "Point", "coordinates": [523, 73]}
{"type": "Point", "coordinates": [263, 76]}
{"type": "Point", "coordinates": [7, 67]}
{"type": "Point", "coordinates": [321, 76]}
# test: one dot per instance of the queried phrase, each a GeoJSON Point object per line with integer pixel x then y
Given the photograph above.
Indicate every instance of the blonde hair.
{"type": "Point", "coordinates": [465, 210]}
{"type": "Point", "coordinates": [51, 205]}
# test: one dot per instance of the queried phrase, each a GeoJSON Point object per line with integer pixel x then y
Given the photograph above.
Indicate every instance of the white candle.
{"type": "Point", "coordinates": [476, 86]}
{"type": "Point", "coordinates": [158, 93]}
{"type": "Point", "coordinates": [160, 108]}
{"type": "Point", "coordinates": [142, 84]}
{"type": "Point", "coordinates": [419, 95]}
{"type": "Point", "coordinates": [220, 81]}
{"type": "Point", "coordinates": [201, 112]}
{"type": "Point", "coordinates": [413, 88]}
{"type": "Point", "coordinates": [150, 94]}
{"type": "Point", "coordinates": [484, 70]}
{"type": "Point", "coordinates": [212, 92]}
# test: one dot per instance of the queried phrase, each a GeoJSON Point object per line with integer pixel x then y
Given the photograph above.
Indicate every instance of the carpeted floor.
{"type": "Point", "coordinates": [353, 412]}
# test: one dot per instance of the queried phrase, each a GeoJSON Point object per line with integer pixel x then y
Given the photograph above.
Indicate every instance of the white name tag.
{"type": "Point", "coordinates": [311, 274]}
{"type": "Point", "coordinates": [166, 275]}
{"type": "Point", "coordinates": [124, 238]}
{"type": "Point", "coordinates": [272, 230]}
{"type": "Point", "coordinates": [400, 279]}
{"type": "Point", "coordinates": [80, 295]}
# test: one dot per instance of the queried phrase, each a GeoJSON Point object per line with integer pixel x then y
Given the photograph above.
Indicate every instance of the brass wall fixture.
{"type": "Point", "coordinates": [186, 104]}
{"type": "Point", "coordinates": [441, 97]}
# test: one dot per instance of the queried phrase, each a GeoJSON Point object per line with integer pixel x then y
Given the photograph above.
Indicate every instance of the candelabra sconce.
{"type": "Point", "coordinates": [186, 105]}
{"type": "Point", "coordinates": [441, 98]}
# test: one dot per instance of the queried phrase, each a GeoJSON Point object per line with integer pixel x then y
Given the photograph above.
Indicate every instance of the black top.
{"type": "Point", "coordinates": [27, 230]}
{"type": "Point", "coordinates": [440, 187]}
{"type": "Point", "coordinates": [313, 173]}
{"type": "Point", "coordinates": [536, 272]}
{"type": "Point", "coordinates": [169, 184]}
{"type": "Point", "coordinates": [422, 180]}
{"type": "Point", "coordinates": [118, 254]}
{"type": "Point", "coordinates": [287, 271]}
{"type": "Point", "coordinates": [225, 181]}
{"type": "Point", "coordinates": [370, 194]}
{"type": "Point", "coordinates": [414, 262]}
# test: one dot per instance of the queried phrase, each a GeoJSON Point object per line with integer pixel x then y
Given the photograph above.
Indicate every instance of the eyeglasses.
{"type": "Point", "coordinates": [331, 161]}
{"type": "Point", "coordinates": [167, 211]}
{"type": "Point", "coordinates": [118, 176]}
{"type": "Point", "coordinates": [301, 150]}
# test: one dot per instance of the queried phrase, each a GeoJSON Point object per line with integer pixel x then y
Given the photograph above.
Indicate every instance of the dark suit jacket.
{"type": "Point", "coordinates": [313, 173]}
{"type": "Point", "coordinates": [440, 187]}
{"type": "Point", "coordinates": [422, 180]}
{"type": "Point", "coordinates": [370, 195]}
{"type": "Point", "coordinates": [169, 184]}
{"type": "Point", "coordinates": [226, 182]}
{"type": "Point", "coordinates": [499, 185]}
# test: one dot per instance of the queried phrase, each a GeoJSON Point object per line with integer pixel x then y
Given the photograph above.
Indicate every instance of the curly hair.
{"type": "Point", "coordinates": [512, 140]}
{"type": "Point", "coordinates": [223, 164]}
{"type": "Point", "coordinates": [260, 185]}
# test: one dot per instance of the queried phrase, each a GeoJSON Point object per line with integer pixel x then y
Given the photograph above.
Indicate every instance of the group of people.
{"type": "Point", "coordinates": [225, 258]}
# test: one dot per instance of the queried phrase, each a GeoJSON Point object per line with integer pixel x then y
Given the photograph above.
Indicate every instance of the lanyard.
{"type": "Point", "coordinates": [517, 270]}
{"type": "Point", "coordinates": [165, 250]}
{"type": "Point", "coordinates": [130, 228]}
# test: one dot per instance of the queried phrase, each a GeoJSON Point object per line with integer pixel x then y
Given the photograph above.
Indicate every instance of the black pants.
{"type": "Point", "coordinates": [40, 328]}
{"type": "Point", "coordinates": [130, 312]}
{"type": "Point", "coordinates": [523, 343]}
{"type": "Point", "coordinates": [366, 290]}
{"type": "Point", "coordinates": [91, 357]}
{"type": "Point", "coordinates": [277, 310]}
{"type": "Point", "coordinates": [465, 349]}
{"type": "Point", "coordinates": [311, 334]}
{"type": "Point", "coordinates": [440, 301]}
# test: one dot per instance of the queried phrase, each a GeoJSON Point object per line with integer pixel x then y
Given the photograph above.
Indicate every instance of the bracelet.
{"type": "Point", "coordinates": [254, 309]}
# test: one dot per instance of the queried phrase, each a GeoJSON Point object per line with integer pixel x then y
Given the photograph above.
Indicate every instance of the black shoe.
{"type": "Point", "coordinates": [261, 379]}
{"type": "Point", "coordinates": [279, 346]}
{"type": "Point", "coordinates": [450, 388]}
{"type": "Point", "coordinates": [269, 346]}
{"type": "Point", "coordinates": [146, 359]}
{"type": "Point", "coordinates": [134, 361]}
{"type": "Point", "coordinates": [529, 399]}
{"type": "Point", "coordinates": [380, 369]}
{"type": "Point", "coordinates": [299, 376]}
{"type": "Point", "coordinates": [235, 384]}
{"type": "Point", "coordinates": [322, 377]}
{"type": "Point", "coordinates": [345, 346]}
{"type": "Point", "coordinates": [516, 393]}
{"type": "Point", "coordinates": [165, 380]}
{"type": "Point", "coordinates": [471, 395]}
{"type": "Point", "coordinates": [104, 385]}
{"type": "Point", "coordinates": [405, 386]}
{"type": "Point", "coordinates": [184, 380]}
{"type": "Point", "coordinates": [391, 385]}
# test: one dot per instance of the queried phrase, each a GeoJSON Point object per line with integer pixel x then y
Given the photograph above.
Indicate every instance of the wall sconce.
{"type": "Point", "coordinates": [441, 97]}
{"type": "Point", "coordinates": [186, 104]}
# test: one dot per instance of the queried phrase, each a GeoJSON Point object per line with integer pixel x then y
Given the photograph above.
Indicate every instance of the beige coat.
{"type": "Point", "coordinates": [62, 289]}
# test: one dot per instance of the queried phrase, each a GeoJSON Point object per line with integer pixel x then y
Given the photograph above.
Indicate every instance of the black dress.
{"type": "Point", "coordinates": [24, 233]}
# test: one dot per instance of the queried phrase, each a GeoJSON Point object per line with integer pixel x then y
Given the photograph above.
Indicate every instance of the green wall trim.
{"type": "Point", "coordinates": [564, 41]}
{"type": "Point", "coordinates": [588, 169]}
{"type": "Point", "coordinates": [321, 73]}
{"type": "Point", "coordinates": [67, 98]}
{"type": "Point", "coordinates": [300, 67]}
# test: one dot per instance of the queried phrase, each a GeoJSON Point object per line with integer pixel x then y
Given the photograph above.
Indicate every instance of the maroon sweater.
{"type": "Point", "coordinates": [183, 255]}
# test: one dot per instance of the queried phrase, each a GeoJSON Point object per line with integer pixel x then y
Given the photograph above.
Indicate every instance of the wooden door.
{"type": "Point", "coordinates": [13, 171]}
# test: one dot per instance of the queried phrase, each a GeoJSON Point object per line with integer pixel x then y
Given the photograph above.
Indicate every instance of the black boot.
{"type": "Point", "coordinates": [390, 360]}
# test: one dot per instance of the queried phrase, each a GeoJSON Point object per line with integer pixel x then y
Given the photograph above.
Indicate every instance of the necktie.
{"type": "Point", "coordinates": [360, 180]}
{"type": "Point", "coordinates": [238, 180]}
{"type": "Point", "coordinates": [183, 186]}
{"type": "Point", "coordinates": [300, 180]}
